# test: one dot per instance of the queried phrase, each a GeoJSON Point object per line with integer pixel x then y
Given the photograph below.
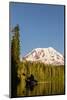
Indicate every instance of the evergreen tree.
{"type": "Point", "coordinates": [15, 47]}
{"type": "Point", "coordinates": [15, 52]}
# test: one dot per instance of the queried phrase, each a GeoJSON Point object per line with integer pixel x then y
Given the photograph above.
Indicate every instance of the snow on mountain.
{"type": "Point", "coordinates": [46, 56]}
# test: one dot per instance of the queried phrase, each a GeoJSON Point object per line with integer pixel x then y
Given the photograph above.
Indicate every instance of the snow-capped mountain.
{"type": "Point", "coordinates": [45, 55]}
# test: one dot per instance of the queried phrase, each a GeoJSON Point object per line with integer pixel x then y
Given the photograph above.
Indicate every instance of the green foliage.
{"type": "Point", "coordinates": [41, 71]}
{"type": "Point", "coordinates": [15, 44]}
{"type": "Point", "coordinates": [15, 52]}
{"type": "Point", "coordinates": [50, 77]}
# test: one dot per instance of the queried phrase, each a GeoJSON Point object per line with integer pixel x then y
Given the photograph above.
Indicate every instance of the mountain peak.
{"type": "Point", "coordinates": [45, 55]}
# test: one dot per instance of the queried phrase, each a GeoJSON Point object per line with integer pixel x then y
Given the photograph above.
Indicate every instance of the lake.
{"type": "Point", "coordinates": [41, 89]}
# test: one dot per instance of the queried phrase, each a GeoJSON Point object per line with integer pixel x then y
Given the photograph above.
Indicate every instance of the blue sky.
{"type": "Point", "coordinates": [41, 26]}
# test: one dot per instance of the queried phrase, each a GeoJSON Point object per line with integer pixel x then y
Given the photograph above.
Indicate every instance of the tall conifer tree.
{"type": "Point", "coordinates": [15, 53]}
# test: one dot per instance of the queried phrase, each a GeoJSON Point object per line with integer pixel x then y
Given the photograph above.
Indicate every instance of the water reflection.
{"type": "Point", "coordinates": [30, 82]}
{"type": "Point", "coordinates": [30, 86]}
{"type": "Point", "coordinates": [42, 88]}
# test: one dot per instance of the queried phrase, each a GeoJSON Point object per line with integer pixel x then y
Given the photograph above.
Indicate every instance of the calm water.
{"type": "Point", "coordinates": [42, 88]}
